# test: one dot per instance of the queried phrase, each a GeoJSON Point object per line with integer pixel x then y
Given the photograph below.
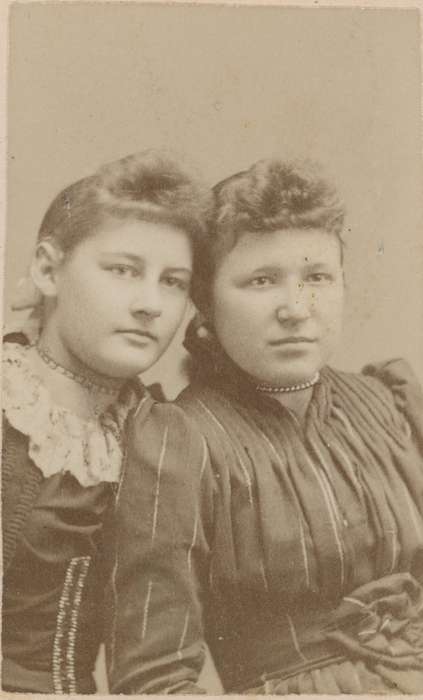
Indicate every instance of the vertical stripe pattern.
{"type": "Point", "coordinates": [261, 527]}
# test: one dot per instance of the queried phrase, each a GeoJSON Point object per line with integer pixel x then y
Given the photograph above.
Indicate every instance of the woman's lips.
{"type": "Point", "coordinates": [293, 340]}
{"type": "Point", "coordinates": [139, 336]}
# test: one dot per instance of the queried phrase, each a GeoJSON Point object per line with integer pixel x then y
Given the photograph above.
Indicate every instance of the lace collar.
{"type": "Point", "coordinates": [60, 441]}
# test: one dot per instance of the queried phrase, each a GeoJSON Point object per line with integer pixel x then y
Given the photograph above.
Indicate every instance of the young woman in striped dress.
{"type": "Point", "coordinates": [282, 501]}
{"type": "Point", "coordinates": [110, 286]}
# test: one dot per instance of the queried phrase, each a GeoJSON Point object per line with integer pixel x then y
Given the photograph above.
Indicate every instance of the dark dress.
{"type": "Point", "coordinates": [295, 552]}
{"type": "Point", "coordinates": [53, 568]}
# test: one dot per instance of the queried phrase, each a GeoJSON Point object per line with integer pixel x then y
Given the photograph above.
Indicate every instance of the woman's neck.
{"type": "Point", "coordinates": [64, 391]}
{"type": "Point", "coordinates": [55, 350]}
{"type": "Point", "coordinates": [70, 383]}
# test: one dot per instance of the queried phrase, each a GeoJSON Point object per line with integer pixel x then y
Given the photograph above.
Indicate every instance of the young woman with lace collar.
{"type": "Point", "coordinates": [109, 286]}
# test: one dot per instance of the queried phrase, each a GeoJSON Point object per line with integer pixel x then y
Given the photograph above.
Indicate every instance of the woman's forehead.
{"type": "Point", "coordinates": [139, 239]}
{"type": "Point", "coordinates": [284, 247]}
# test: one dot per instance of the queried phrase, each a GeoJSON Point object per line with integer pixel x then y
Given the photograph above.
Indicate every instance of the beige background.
{"type": "Point", "coordinates": [227, 85]}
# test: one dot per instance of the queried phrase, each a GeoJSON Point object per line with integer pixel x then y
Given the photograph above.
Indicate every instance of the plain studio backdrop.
{"type": "Point", "coordinates": [91, 82]}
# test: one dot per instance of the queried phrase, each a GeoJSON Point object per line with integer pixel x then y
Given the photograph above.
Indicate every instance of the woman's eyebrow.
{"type": "Point", "coordinates": [141, 260]}
{"type": "Point", "coordinates": [184, 270]}
{"type": "Point", "coordinates": [265, 268]}
{"type": "Point", "coordinates": [316, 264]}
{"type": "Point", "coordinates": [122, 254]}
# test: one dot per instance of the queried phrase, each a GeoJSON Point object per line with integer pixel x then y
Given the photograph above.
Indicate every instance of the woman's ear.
{"type": "Point", "coordinates": [44, 267]}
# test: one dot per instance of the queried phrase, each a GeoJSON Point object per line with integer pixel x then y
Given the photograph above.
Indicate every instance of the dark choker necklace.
{"type": "Point", "coordinates": [78, 378]}
{"type": "Point", "coordinates": [270, 389]}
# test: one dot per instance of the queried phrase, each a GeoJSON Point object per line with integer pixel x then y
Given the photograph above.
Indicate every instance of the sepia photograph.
{"type": "Point", "coordinates": [212, 358]}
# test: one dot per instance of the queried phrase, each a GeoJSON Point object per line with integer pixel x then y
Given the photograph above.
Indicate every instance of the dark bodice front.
{"type": "Point", "coordinates": [52, 586]}
{"type": "Point", "coordinates": [295, 551]}
{"type": "Point", "coordinates": [59, 476]}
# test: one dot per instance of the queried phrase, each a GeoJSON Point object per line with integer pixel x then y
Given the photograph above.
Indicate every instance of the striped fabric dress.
{"type": "Point", "coordinates": [295, 551]}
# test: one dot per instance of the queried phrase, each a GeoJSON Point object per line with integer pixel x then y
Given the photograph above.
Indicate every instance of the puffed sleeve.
{"type": "Point", "coordinates": [399, 377]}
{"type": "Point", "coordinates": [161, 528]}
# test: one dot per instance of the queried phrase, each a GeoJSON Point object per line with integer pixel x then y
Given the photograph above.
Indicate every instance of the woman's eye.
{"type": "Point", "coordinates": [319, 277]}
{"type": "Point", "coordinates": [171, 281]}
{"type": "Point", "coordinates": [125, 271]}
{"type": "Point", "coordinates": [261, 281]}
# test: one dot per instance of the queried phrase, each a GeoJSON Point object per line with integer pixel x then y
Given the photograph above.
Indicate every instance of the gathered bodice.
{"type": "Point", "coordinates": [280, 524]}
{"type": "Point", "coordinates": [305, 515]}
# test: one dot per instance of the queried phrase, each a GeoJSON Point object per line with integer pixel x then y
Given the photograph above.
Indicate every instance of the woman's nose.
{"type": "Point", "coordinates": [147, 301]}
{"type": "Point", "coordinates": [293, 304]}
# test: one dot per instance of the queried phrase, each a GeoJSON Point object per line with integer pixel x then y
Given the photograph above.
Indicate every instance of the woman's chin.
{"type": "Point", "coordinates": [122, 368]}
{"type": "Point", "coordinates": [125, 372]}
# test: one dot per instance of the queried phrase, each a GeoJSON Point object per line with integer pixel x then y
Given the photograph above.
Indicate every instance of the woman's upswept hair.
{"type": "Point", "coordinates": [272, 195]}
{"type": "Point", "coordinates": [147, 186]}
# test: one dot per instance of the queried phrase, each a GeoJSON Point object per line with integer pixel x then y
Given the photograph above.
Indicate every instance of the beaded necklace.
{"type": "Point", "coordinates": [79, 378]}
{"type": "Point", "coordinates": [269, 389]}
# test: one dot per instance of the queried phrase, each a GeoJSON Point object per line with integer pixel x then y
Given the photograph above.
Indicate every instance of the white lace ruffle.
{"type": "Point", "coordinates": [59, 441]}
